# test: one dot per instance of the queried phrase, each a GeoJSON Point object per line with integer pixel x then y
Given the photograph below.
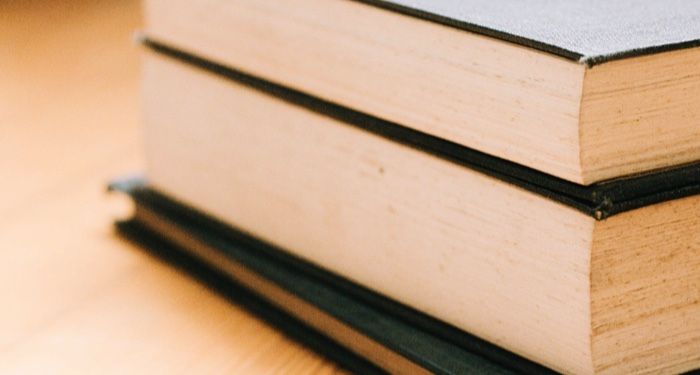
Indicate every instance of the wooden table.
{"type": "Point", "coordinates": [76, 298]}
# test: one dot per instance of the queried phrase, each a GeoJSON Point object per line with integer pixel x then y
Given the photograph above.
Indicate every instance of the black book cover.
{"type": "Point", "coordinates": [599, 200]}
{"type": "Point", "coordinates": [221, 257]}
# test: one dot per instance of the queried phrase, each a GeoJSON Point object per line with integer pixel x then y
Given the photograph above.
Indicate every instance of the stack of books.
{"type": "Point", "coordinates": [440, 186]}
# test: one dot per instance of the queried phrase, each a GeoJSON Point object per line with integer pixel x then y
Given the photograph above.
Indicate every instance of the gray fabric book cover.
{"type": "Point", "coordinates": [591, 31]}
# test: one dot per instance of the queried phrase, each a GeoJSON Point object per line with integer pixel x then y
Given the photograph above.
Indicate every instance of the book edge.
{"type": "Point", "coordinates": [599, 200]}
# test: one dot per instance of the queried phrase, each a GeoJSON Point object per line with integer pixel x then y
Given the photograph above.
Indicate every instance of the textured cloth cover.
{"type": "Point", "coordinates": [589, 31]}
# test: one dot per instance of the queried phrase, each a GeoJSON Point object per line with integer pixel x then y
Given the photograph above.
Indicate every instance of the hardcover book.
{"type": "Point", "coordinates": [586, 91]}
{"type": "Point", "coordinates": [527, 173]}
{"type": "Point", "coordinates": [582, 279]}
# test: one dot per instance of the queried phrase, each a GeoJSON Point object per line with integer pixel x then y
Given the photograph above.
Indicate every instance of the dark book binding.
{"type": "Point", "coordinates": [599, 200]}
{"type": "Point", "coordinates": [221, 256]}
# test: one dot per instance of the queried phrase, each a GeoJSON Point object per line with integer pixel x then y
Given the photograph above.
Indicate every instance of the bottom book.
{"type": "Point", "coordinates": [360, 330]}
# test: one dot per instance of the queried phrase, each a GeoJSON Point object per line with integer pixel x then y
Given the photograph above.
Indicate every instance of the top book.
{"type": "Point", "coordinates": [585, 91]}
{"type": "Point", "coordinates": [591, 32]}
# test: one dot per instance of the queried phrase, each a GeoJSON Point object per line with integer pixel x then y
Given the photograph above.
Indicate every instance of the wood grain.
{"type": "Point", "coordinates": [76, 298]}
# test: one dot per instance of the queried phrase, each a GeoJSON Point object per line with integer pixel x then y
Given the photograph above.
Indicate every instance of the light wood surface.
{"type": "Point", "coordinates": [77, 299]}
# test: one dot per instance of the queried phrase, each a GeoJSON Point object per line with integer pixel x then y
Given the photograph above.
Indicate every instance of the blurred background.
{"type": "Point", "coordinates": [77, 299]}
